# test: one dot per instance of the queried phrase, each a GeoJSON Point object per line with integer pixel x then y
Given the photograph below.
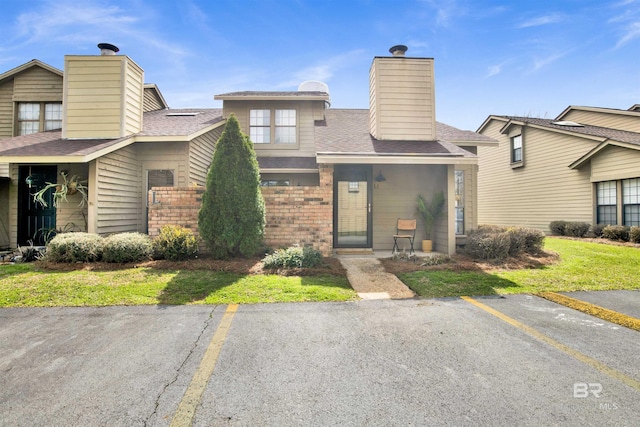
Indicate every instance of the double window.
{"type": "Point", "coordinates": [607, 196]}
{"type": "Point", "coordinates": [38, 116]}
{"type": "Point", "coordinates": [273, 126]}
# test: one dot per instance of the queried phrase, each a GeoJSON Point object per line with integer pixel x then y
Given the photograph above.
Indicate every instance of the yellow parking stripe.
{"type": "Point", "coordinates": [191, 399]}
{"type": "Point", "coordinates": [631, 382]}
{"type": "Point", "coordinates": [593, 310]}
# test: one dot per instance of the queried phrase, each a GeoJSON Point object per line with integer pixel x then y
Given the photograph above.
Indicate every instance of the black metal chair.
{"type": "Point", "coordinates": [405, 229]}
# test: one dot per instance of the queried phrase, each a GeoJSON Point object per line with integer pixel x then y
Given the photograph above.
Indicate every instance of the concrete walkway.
{"type": "Point", "coordinates": [369, 279]}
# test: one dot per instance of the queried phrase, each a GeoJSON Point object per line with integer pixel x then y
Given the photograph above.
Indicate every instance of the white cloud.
{"type": "Point", "coordinates": [324, 70]}
{"type": "Point", "coordinates": [543, 62]}
{"type": "Point", "coordinates": [632, 32]}
{"type": "Point", "coordinates": [541, 20]}
{"type": "Point", "coordinates": [446, 11]}
{"type": "Point", "coordinates": [494, 70]}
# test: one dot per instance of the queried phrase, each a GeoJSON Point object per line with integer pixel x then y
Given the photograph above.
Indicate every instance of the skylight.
{"type": "Point", "coordinates": [183, 114]}
{"type": "Point", "coordinates": [567, 123]}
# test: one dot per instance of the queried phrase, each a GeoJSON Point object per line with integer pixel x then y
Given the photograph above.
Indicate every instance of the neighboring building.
{"type": "Point", "coordinates": [115, 131]}
{"type": "Point", "coordinates": [372, 163]}
{"type": "Point", "coordinates": [583, 165]}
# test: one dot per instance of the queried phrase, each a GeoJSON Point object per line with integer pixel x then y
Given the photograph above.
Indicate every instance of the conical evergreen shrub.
{"type": "Point", "coordinates": [232, 218]}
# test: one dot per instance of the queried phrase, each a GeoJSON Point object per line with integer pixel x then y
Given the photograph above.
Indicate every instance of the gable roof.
{"type": "Point", "coordinates": [27, 65]}
{"type": "Point", "coordinates": [344, 137]}
{"type": "Point", "coordinates": [153, 90]}
{"type": "Point", "coordinates": [630, 112]}
{"type": "Point", "coordinates": [45, 147]}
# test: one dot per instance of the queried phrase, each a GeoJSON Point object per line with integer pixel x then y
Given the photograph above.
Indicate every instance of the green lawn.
{"type": "Point", "coordinates": [582, 266]}
{"type": "Point", "coordinates": [22, 285]}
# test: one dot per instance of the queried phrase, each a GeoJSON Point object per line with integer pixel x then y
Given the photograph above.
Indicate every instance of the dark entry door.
{"type": "Point", "coordinates": [352, 206]}
{"type": "Point", "coordinates": [34, 220]}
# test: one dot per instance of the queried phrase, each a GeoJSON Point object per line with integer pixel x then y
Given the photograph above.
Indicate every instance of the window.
{"type": "Point", "coordinates": [516, 149]}
{"type": "Point", "coordinates": [275, 183]}
{"type": "Point", "coordinates": [159, 178]}
{"type": "Point", "coordinates": [459, 201]}
{"type": "Point", "coordinates": [631, 201]}
{"type": "Point", "coordinates": [38, 116]}
{"type": "Point", "coordinates": [607, 202]}
{"type": "Point", "coordinates": [260, 126]}
{"type": "Point", "coordinates": [279, 127]}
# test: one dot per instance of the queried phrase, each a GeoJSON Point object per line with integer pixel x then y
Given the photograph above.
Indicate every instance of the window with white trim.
{"type": "Point", "coordinates": [278, 126]}
{"type": "Point", "coordinates": [631, 202]}
{"type": "Point", "coordinates": [459, 201]}
{"type": "Point", "coordinates": [516, 149]}
{"type": "Point", "coordinates": [607, 198]}
{"type": "Point", "coordinates": [38, 116]}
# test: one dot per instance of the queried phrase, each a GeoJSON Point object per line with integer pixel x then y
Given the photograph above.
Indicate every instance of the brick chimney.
{"type": "Point", "coordinates": [102, 95]}
{"type": "Point", "coordinates": [402, 97]}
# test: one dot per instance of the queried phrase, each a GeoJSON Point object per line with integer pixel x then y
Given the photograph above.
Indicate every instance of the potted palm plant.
{"type": "Point", "coordinates": [68, 187]}
{"type": "Point", "coordinates": [429, 211]}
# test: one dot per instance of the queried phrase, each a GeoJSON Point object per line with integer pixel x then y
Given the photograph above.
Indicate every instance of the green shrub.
{"type": "Point", "coordinates": [576, 229]}
{"type": "Point", "coordinates": [231, 220]}
{"type": "Point", "coordinates": [558, 227]}
{"type": "Point", "coordinates": [634, 234]}
{"type": "Point", "coordinates": [533, 240]}
{"type": "Point", "coordinates": [488, 246]}
{"type": "Point", "coordinates": [597, 229]}
{"type": "Point", "coordinates": [293, 257]}
{"type": "Point", "coordinates": [74, 247]}
{"type": "Point", "coordinates": [616, 232]}
{"type": "Point", "coordinates": [175, 243]}
{"type": "Point", "coordinates": [126, 247]}
{"type": "Point", "coordinates": [487, 228]}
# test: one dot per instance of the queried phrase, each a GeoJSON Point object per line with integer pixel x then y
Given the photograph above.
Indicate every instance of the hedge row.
{"type": "Point", "coordinates": [490, 242]}
{"type": "Point", "coordinates": [173, 243]}
{"type": "Point", "coordinates": [582, 229]}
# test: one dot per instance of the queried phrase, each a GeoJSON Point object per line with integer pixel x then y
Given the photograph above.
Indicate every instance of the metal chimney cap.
{"type": "Point", "coordinates": [108, 49]}
{"type": "Point", "coordinates": [398, 50]}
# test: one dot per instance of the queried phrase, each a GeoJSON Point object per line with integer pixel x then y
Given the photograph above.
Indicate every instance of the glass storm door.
{"type": "Point", "coordinates": [352, 206]}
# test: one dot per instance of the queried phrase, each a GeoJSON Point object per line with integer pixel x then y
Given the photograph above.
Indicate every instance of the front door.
{"type": "Point", "coordinates": [352, 206]}
{"type": "Point", "coordinates": [34, 220]}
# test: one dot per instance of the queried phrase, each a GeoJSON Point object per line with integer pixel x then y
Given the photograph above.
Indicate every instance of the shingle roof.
{"type": "Point", "coordinates": [250, 93]}
{"type": "Point", "coordinates": [347, 131]}
{"type": "Point", "coordinates": [156, 124]}
{"type": "Point", "coordinates": [597, 131]}
{"type": "Point", "coordinates": [176, 122]}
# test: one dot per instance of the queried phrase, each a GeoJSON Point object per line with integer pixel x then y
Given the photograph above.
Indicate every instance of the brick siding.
{"type": "Point", "coordinates": [294, 215]}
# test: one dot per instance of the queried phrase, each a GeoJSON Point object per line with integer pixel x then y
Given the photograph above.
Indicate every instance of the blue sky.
{"type": "Point", "coordinates": [531, 58]}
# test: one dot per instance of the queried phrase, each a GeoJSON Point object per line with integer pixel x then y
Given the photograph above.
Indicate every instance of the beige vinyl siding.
{"type": "Point", "coordinates": [151, 102]}
{"type": "Point", "coordinates": [70, 216]}
{"type": "Point", "coordinates": [102, 97]}
{"type": "Point", "coordinates": [37, 85]}
{"type": "Point", "coordinates": [615, 163]}
{"type": "Point", "coordinates": [200, 155]}
{"type": "Point", "coordinates": [4, 169]}
{"type": "Point", "coordinates": [396, 198]}
{"type": "Point", "coordinates": [404, 97]}
{"type": "Point", "coordinates": [119, 195]}
{"type": "Point", "coordinates": [470, 201]}
{"type": "Point", "coordinates": [166, 155]}
{"type": "Point", "coordinates": [622, 121]}
{"type": "Point", "coordinates": [307, 112]}
{"type": "Point", "coordinates": [6, 109]}
{"type": "Point", "coordinates": [134, 98]}
{"type": "Point", "coordinates": [541, 191]}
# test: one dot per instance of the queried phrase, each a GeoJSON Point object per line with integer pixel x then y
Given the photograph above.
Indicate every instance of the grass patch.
{"type": "Point", "coordinates": [23, 285]}
{"type": "Point", "coordinates": [583, 266]}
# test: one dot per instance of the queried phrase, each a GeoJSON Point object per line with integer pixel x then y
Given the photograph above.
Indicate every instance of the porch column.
{"type": "Point", "coordinates": [92, 205]}
{"type": "Point", "coordinates": [451, 209]}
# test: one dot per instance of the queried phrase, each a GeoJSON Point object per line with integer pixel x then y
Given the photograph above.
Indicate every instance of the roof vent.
{"type": "Point", "coordinates": [398, 50]}
{"type": "Point", "coordinates": [107, 49]}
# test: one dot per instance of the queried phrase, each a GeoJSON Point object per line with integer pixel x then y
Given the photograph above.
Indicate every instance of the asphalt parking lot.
{"type": "Point", "coordinates": [519, 360]}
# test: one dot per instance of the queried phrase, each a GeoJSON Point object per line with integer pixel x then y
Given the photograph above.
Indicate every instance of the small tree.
{"type": "Point", "coordinates": [231, 220]}
{"type": "Point", "coordinates": [429, 212]}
